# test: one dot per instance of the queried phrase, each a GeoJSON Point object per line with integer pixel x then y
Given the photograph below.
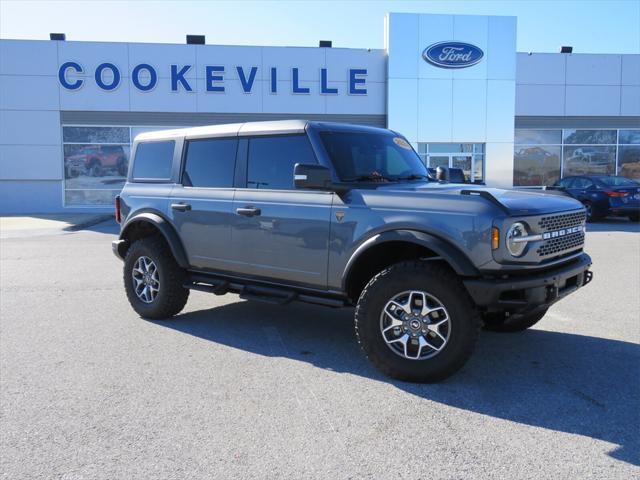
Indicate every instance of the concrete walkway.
{"type": "Point", "coordinates": [11, 226]}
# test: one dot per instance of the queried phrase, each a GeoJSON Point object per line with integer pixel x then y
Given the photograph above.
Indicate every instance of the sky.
{"type": "Point", "coordinates": [590, 26]}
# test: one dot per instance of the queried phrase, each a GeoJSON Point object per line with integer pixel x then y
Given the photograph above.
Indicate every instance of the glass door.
{"type": "Point", "coordinates": [463, 162]}
{"type": "Point", "coordinates": [468, 157]}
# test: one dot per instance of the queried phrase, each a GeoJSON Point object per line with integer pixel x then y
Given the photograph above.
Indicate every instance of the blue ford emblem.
{"type": "Point", "coordinates": [452, 54]}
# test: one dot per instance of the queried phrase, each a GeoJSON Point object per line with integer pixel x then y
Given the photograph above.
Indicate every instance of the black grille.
{"type": "Point", "coordinates": [558, 222]}
{"type": "Point", "coordinates": [561, 244]}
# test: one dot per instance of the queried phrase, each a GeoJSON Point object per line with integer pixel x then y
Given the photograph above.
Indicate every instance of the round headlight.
{"type": "Point", "coordinates": [515, 247]}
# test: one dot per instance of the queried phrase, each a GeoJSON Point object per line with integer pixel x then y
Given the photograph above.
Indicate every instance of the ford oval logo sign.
{"type": "Point", "coordinates": [452, 54]}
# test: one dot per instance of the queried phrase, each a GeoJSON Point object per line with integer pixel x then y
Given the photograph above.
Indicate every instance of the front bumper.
{"type": "Point", "coordinates": [625, 210]}
{"type": "Point", "coordinates": [521, 294]}
{"type": "Point", "coordinates": [118, 246]}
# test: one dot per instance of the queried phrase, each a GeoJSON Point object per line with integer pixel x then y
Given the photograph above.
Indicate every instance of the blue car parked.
{"type": "Point", "coordinates": [604, 195]}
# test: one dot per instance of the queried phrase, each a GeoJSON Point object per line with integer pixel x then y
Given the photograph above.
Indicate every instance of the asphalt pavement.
{"type": "Point", "coordinates": [236, 389]}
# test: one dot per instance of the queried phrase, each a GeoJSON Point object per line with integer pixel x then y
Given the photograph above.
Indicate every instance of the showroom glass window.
{"type": "Point", "coordinates": [210, 163]}
{"type": "Point", "coordinates": [271, 160]}
{"type": "Point", "coordinates": [629, 153]}
{"type": "Point", "coordinates": [96, 162]}
{"type": "Point", "coordinates": [543, 156]}
{"type": "Point", "coordinates": [469, 157]}
{"type": "Point", "coordinates": [537, 157]}
{"type": "Point", "coordinates": [589, 152]}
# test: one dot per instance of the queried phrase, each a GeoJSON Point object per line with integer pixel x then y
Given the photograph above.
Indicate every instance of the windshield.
{"type": "Point", "coordinates": [376, 157]}
{"type": "Point", "coordinates": [618, 181]}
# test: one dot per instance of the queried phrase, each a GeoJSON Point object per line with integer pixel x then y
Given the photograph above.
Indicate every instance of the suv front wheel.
{"type": "Point", "coordinates": [153, 280]}
{"type": "Point", "coordinates": [416, 322]}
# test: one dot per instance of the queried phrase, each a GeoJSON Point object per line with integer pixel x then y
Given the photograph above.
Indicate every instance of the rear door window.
{"type": "Point", "coordinates": [153, 161]}
{"type": "Point", "coordinates": [271, 160]}
{"type": "Point", "coordinates": [210, 163]}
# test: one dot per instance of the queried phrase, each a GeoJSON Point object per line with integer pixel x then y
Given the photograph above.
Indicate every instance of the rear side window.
{"type": "Point", "coordinates": [566, 182]}
{"type": "Point", "coordinates": [153, 160]}
{"type": "Point", "coordinates": [210, 163]}
{"type": "Point", "coordinates": [271, 160]}
{"type": "Point", "coordinates": [582, 183]}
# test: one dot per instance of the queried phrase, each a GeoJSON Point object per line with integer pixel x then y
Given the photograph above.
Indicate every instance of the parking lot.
{"type": "Point", "coordinates": [235, 389]}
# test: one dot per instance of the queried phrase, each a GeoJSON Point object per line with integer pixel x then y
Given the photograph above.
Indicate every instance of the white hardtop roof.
{"type": "Point", "coordinates": [228, 130]}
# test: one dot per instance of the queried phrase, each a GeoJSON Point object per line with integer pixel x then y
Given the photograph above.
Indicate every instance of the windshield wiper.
{"type": "Point", "coordinates": [368, 178]}
{"type": "Point", "coordinates": [413, 176]}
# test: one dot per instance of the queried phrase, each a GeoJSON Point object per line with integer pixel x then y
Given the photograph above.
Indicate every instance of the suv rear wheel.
{"type": "Point", "coordinates": [153, 280]}
{"type": "Point", "coordinates": [499, 322]}
{"type": "Point", "coordinates": [416, 322]}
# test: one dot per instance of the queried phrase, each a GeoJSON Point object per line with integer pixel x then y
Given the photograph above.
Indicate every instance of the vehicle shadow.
{"type": "Point", "coordinates": [569, 383]}
{"type": "Point", "coordinates": [614, 224]}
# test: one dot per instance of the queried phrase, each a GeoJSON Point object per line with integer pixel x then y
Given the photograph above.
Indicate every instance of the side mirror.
{"type": "Point", "coordinates": [312, 176]}
{"type": "Point", "coordinates": [442, 174]}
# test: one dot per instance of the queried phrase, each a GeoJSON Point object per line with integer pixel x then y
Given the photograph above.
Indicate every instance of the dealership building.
{"type": "Point", "coordinates": [453, 85]}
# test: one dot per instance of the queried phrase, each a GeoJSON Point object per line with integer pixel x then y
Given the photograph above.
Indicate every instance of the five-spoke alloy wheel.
{"type": "Point", "coordinates": [146, 279]}
{"type": "Point", "coordinates": [415, 325]}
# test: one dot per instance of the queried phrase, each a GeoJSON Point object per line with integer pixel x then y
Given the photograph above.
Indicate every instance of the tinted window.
{"type": "Point", "coordinates": [271, 160]}
{"type": "Point", "coordinates": [210, 163]}
{"type": "Point", "coordinates": [582, 183]}
{"type": "Point", "coordinates": [566, 182]}
{"type": "Point", "coordinates": [153, 160]}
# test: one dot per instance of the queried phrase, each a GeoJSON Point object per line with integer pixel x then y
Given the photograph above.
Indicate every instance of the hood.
{"type": "Point", "coordinates": [518, 202]}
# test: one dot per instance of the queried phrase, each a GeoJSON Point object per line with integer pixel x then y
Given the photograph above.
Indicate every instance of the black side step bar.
{"type": "Point", "coordinates": [207, 284]}
{"type": "Point", "coordinates": [274, 296]}
{"type": "Point", "coordinates": [250, 291]}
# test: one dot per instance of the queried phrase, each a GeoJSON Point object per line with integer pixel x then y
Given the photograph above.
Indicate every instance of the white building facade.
{"type": "Point", "coordinates": [453, 85]}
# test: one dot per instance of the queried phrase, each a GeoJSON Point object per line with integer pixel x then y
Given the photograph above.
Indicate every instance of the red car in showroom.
{"type": "Point", "coordinates": [97, 160]}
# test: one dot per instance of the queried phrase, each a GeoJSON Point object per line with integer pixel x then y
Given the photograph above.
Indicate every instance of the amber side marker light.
{"type": "Point", "coordinates": [495, 238]}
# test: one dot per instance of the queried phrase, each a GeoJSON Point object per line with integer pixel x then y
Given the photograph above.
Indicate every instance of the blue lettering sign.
{"type": "Point", "coordinates": [354, 81]}
{"type": "Point", "coordinates": [323, 83]}
{"type": "Point", "coordinates": [247, 84]}
{"type": "Point", "coordinates": [153, 77]}
{"type": "Point", "coordinates": [274, 80]}
{"type": "Point", "coordinates": [211, 77]}
{"type": "Point", "coordinates": [295, 83]}
{"type": "Point", "coordinates": [177, 76]}
{"type": "Point", "coordinates": [116, 76]}
{"type": "Point", "coordinates": [62, 75]}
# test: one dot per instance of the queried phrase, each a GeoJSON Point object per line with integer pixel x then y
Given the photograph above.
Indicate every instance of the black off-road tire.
{"type": "Point", "coordinates": [172, 296]}
{"type": "Point", "coordinates": [437, 280]}
{"type": "Point", "coordinates": [499, 322]}
{"type": "Point", "coordinates": [592, 214]}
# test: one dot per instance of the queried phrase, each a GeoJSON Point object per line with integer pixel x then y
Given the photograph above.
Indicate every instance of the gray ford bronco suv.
{"type": "Point", "coordinates": [343, 215]}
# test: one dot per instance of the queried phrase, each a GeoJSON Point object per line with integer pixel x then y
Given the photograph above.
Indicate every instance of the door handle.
{"type": "Point", "coordinates": [248, 211]}
{"type": "Point", "coordinates": [180, 207]}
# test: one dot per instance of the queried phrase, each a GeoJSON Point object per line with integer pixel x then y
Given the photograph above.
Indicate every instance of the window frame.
{"type": "Point", "coordinates": [242, 168]}
{"type": "Point", "coordinates": [183, 161]}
